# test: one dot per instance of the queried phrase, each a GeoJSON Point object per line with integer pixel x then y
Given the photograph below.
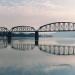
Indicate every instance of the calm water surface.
{"type": "Point", "coordinates": [52, 56]}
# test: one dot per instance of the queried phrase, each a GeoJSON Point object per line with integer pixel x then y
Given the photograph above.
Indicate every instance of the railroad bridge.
{"type": "Point", "coordinates": [51, 27]}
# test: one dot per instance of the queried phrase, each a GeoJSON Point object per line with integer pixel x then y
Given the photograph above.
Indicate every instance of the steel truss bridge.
{"type": "Point", "coordinates": [51, 27]}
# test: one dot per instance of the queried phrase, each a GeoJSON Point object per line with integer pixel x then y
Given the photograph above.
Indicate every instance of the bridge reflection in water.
{"type": "Point", "coordinates": [23, 44]}
{"type": "Point", "coordinates": [29, 44]}
{"type": "Point", "coordinates": [58, 49]}
{"type": "Point", "coordinates": [57, 46]}
{"type": "Point", "coordinates": [3, 43]}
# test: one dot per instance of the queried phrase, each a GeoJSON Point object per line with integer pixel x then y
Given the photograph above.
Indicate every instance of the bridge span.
{"type": "Point", "coordinates": [57, 27]}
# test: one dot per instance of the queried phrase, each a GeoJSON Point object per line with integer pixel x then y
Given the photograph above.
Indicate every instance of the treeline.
{"type": "Point", "coordinates": [23, 35]}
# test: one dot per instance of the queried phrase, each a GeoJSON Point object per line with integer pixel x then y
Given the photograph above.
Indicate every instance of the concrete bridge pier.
{"type": "Point", "coordinates": [9, 37]}
{"type": "Point", "coordinates": [36, 38]}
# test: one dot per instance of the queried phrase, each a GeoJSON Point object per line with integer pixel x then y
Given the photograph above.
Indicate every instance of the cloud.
{"type": "Point", "coordinates": [36, 3]}
{"type": "Point", "coordinates": [11, 2]}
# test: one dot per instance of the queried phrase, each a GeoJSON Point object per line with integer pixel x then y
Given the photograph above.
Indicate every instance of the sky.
{"type": "Point", "coordinates": [35, 12]}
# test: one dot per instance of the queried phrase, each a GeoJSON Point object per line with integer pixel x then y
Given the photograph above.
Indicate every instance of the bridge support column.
{"type": "Point", "coordinates": [36, 37]}
{"type": "Point", "coordinates": [9, 37]}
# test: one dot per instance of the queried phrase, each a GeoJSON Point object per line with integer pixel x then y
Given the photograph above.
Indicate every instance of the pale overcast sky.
{"type": "Point", "coordinates": [35, 12]}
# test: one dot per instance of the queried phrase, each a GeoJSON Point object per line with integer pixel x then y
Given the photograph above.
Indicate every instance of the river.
{"type": "Point", "coordinates": [52, 56]}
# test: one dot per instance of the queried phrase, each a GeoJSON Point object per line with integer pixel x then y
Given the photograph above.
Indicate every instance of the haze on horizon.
{"type": "Point", "coordinates": [35, 12]}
